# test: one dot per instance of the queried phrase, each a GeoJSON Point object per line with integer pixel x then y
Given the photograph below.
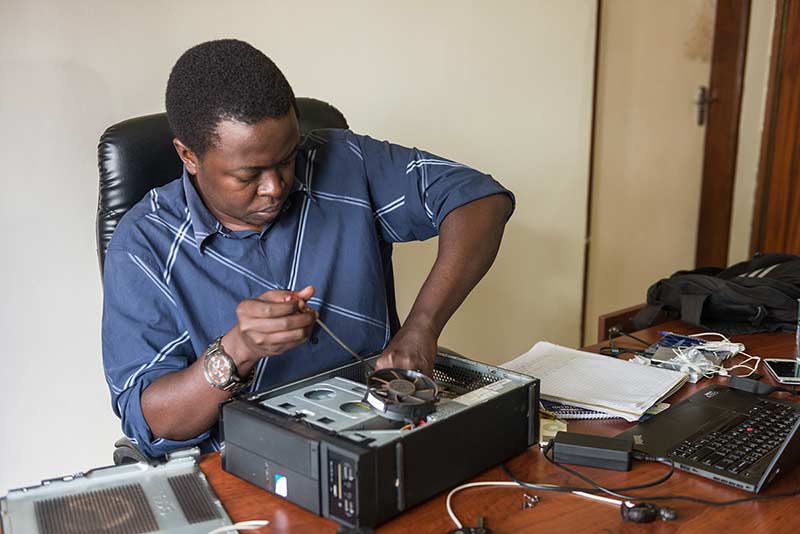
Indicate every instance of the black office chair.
{"type": "Point", "coordinates": [136, 155]}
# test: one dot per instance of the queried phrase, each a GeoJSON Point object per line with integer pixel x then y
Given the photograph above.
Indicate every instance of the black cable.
{"type": "Point", "coordinates": [611, 491]}
{"type": "Point", "coordinates": [618, 351]}
{"type": "Point", "coordinates": [551, 487]}
{"type": "Point", "coordinates": [640, 340]}
{"type": "Point", "coordinates": [614, 332]}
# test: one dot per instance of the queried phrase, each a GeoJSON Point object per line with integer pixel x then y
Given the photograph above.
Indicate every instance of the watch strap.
{"type": "Point", "coordinates": [238, 384]}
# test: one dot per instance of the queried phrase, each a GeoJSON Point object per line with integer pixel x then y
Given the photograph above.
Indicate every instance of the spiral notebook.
{"type": "Point", "coordinates": [569, 412]}
{"type": "Point", "coordinates": [594, 382]}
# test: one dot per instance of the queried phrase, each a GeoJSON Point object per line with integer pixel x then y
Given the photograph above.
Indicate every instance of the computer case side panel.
{"type": "Point", "coordinates": [471, 442]}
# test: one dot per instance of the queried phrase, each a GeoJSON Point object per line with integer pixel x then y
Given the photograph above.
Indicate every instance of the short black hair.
{"type": "Point", "coordinates": [219, 80]}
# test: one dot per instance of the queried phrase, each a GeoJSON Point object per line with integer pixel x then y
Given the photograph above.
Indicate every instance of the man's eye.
{"type": "Point", "coordinates": [247, 179]}
{"type": "Point", "coordinates": [285, 163]}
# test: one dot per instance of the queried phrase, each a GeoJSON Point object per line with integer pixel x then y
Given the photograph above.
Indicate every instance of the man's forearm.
{"type": "Point", "coordinates": [469, 238]}
{"type": "Point", "coordinates": [182, 404]}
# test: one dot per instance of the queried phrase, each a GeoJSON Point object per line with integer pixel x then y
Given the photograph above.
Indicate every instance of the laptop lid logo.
{"type": "Point", "coordinates": [281, 485]}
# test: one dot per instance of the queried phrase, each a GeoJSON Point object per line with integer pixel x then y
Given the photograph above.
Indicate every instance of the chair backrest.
{"type": "Point", "coordinates": [136, 155]}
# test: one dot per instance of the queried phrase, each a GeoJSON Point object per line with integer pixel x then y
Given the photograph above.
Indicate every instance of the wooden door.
{"type": "Point", "coordinates": [776, 218]}
{"type": "Point", "coordinates": [722, 133]}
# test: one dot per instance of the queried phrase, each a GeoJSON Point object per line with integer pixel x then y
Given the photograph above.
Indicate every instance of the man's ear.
{"type": "Point", "coordinates": [188, 157]}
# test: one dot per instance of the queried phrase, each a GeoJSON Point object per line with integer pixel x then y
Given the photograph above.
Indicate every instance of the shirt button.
{"type": "Point", "coordinates": [314, 340]}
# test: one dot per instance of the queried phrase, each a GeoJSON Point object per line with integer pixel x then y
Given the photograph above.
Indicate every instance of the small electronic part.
{"type": "Point", "coordinates": [529, 501]}
{"type": "Point", "coordinates": [479, 528]}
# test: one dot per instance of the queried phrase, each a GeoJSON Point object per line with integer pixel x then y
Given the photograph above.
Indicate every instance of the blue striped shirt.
{"type": "Point", "coordinates": [174, 275]}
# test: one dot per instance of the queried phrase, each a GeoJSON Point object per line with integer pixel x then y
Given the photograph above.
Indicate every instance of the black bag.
{"type": "Point", "coordinates": [760, 295]}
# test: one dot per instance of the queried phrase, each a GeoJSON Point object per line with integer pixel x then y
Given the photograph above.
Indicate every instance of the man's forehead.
{"type": "Point", "coordinates": [264, 143]}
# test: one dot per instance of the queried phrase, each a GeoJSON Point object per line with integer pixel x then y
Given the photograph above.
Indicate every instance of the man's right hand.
{"type": "Point", "coordinates": [269, 324]}
{"type": "Point", "coordinates": [182, 404]}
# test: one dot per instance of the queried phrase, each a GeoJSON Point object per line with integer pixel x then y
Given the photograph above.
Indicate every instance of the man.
{"type": "Point", "coordinates": [214, 282]}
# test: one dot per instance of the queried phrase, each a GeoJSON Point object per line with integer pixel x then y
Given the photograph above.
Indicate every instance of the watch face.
{"type": "Point", "coordinates": [219, 369]}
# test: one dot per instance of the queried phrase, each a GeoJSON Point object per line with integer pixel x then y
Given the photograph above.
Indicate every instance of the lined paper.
{"type": "Point", "coordinates": [596, 382]}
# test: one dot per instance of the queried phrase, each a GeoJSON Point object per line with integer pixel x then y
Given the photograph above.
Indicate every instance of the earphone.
{"type": "Point", "coordinates": [646, 512]}
{"type": "Point", "coordinates": [643, 512]}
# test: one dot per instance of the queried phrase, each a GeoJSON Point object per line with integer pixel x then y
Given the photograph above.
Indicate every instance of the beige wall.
{"type": "Point", "coordinates": [648, 148]}
{"type": "Point", "coordinates": [507, 90]}
{"type": "Point", "coordinates": [751, 123]}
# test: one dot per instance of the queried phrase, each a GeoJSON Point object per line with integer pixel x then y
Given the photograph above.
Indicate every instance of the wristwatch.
{"type": "Point", "coordinates": [220, 369]}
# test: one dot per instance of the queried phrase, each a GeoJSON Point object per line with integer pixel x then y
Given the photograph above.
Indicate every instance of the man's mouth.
{"type": "Point", "coordinates": [270, 210]}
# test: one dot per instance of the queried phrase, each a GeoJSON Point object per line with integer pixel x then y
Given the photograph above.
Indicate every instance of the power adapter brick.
{"type": "Point", "coordinates": [592, 451]}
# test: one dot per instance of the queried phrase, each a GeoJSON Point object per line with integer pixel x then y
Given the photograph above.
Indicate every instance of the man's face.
{"type": "Point", "coordinates": [245, 178]}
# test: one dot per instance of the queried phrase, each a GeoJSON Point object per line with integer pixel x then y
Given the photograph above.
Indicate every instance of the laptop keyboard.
{"type": "Point", "coordinates": [742, 441]}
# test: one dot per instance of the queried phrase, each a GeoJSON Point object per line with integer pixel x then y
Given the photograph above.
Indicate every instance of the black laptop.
{"type": "Point", "coordinates": [734, 437]}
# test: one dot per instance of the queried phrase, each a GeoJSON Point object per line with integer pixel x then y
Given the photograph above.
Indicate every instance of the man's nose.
{"type": "Point", "coordinates": [271, 184]}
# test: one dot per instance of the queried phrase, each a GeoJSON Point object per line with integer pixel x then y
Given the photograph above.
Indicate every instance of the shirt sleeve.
{"type": "Point", "coordinates": [142, 340]}
{"type": "Point", "coordinates": [412, 191]}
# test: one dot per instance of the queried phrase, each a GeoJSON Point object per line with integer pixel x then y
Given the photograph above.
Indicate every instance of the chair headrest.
{"type": "Point", "coordinates": [137, 155]}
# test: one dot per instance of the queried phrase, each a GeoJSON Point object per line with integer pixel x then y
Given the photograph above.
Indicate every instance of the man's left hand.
{"type": "Point", "coordinates": [411, 348]}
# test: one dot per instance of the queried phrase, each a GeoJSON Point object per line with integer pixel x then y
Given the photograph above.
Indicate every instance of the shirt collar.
{"type": "Point", "coordinates": [204, 224]}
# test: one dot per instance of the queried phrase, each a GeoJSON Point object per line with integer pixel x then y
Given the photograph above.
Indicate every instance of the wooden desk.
{"type": "Point", "coordinates": [557, 512]}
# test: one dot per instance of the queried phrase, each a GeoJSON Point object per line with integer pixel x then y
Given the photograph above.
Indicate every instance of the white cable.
{"type": "Point", "coordinates": [743, 366]}
{"type": "Point", "coordinates": [600, 498]}
{"type": "Point", "coordinates": [720, 369]}
{"type": "Point", "coordinates": [242, 525]}
{"type": "Point", "coordinates": [721, 346]}
{"type": "Point", "coordinates": [473, 485]}
{"type": "Point", "coordinates": [706, 334]}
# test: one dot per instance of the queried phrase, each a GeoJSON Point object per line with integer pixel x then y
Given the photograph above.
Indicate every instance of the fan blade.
{"type": "Point", "coordinates": [395, 374]}
{"type": "Point", "coordinates": [381, 380]}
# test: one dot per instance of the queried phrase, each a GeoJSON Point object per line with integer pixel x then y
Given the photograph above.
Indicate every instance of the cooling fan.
{"type": "Point", "coordinates": [401, 394]}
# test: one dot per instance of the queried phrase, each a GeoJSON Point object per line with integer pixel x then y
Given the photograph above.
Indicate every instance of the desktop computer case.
{"type": "Point", "coordinates": [332, 474]}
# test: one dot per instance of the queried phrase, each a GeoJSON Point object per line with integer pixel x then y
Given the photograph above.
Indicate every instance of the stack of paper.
{"type": "Point", "coordinates": [596, 382]}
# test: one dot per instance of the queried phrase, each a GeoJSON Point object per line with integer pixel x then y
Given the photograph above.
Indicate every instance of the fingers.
{"type": "Point", "coordinates": [260, 309]}
{"type": "Point", "coordinates": [277, 342]}
{"type": "Point", "coordinates": [305, 293]}
{"type": "Point", "coordinates": [270, 337]}
{"type": "Point", "coordinates": [391, 359]}
{"type": "Point", "coordinates": [277, 303]}
{"type": "Point", "coordinates": [272, 319]}
{"type": "Point", "coordinates": [284, 295]}
{"type": "Point", "coordinates": [277, 320]}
